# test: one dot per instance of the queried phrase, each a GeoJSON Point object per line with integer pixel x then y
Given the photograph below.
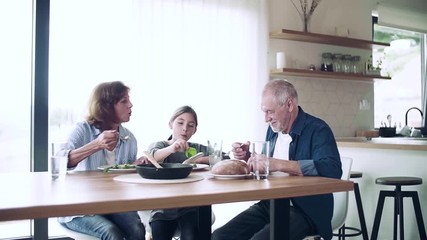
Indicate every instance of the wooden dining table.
{"type": "Point", "coordinates": [35, 196]}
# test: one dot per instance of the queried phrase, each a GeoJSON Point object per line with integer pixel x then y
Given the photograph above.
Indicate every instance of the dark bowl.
{"type": "Point", "coordinates": [169, 171]}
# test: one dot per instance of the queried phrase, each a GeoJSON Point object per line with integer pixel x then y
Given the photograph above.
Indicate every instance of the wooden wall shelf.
{"type": "Point", "coordinates": [321, 74]}
{"type": "Point", "coordinates": [326, 39]}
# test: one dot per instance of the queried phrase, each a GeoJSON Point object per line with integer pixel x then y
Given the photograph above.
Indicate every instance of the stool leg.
{"type": "Point", "coordinates": [418, 214]}
{"type": "Point", "coordinates": [395, 217]}
{"type": "Point", "coordinates": [399, 199]}
{"type": "Point", "coordinates": [360, 211]}
{"type": "Point", "coordinates": [378, 214]}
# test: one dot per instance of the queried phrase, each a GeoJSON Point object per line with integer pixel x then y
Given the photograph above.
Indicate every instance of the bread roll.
{"type": "Point", "coordinates": [230, 167]}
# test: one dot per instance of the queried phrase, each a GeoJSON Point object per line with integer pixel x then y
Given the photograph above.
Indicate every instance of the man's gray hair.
{"type": "Point", "coordinates": [282, 90]}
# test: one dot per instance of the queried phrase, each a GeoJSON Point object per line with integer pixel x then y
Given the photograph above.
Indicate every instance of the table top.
{"type": "Point", "coordinates": [35, 195]}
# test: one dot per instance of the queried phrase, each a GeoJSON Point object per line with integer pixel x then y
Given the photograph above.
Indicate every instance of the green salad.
{"type": "Point", "coordinates": [119, 166]}
{"type": "Point", "coordinates": [190, 152]}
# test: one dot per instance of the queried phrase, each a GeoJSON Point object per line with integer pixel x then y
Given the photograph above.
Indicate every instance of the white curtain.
{"type": "Point", "coordinates": [210, 54]}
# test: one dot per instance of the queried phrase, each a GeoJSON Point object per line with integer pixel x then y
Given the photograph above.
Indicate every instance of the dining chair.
{"type": "Point", "coordinates": [340, 201]}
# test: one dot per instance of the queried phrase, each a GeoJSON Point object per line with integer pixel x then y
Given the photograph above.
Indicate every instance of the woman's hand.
{"type": "Point", "coordinates": [108, 139]}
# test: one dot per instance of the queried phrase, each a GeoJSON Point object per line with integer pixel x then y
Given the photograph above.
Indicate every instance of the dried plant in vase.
{"type": "Point", "coordinates": [306, 11]}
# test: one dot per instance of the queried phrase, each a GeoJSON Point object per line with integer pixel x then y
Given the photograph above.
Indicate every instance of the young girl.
{"type": "Point", "coordinates": [165, 222]}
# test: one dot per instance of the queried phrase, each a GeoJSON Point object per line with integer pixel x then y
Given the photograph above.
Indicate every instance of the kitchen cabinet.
{"type": "Point", "coordinates": [292, 35]}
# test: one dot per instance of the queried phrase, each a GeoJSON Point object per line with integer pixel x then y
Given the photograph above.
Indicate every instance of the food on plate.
{"type": "Point", "coordinates": [190, 152]}
{"type": "Point", "coordinates": [230, 167]}
{"type": "Point", "coordinates": [119, 166]}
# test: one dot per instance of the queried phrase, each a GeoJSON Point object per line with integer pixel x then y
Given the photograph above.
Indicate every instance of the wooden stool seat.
{"type": "Point", "coordinates": [399, 181]}
{"type": "Point", "coordinates": [398, 196]}
{"type": "Point", "coordinates": [356, 174]}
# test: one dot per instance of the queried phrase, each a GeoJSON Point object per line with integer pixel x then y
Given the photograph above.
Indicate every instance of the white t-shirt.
{"type": "Point", "coordinates": [281, 150]}
{"type": "Point", "coordinates": [110, 156]}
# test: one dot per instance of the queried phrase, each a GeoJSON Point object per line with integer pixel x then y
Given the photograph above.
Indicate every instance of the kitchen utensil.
{"type": "Point", "coordinates": [405, 131]}
{"type": "Point", "coordinates": [192, 159]}
{"type": "Point", "coordinates": [168, 171]}
{"type": "Point", "coordinates": [415, 132]}
{"type": "Point", "coordinates": [389, 120]}
{"type": "Point", "coordinates": [151, 159]}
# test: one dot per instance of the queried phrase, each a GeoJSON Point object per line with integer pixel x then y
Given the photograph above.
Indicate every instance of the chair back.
{"type": "Point", "coordinates": [341, 198]}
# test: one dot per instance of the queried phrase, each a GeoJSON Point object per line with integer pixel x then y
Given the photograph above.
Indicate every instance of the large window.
{"type": "Point", "coordinates": [170, 52]}
{"type": "Point", "coordinates": [403, 62]}
{"type": "Point", "coordinates": [15, 74]}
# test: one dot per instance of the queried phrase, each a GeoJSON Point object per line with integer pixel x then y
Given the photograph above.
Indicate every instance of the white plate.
{"type": "Point", "coordinates": [199, 167]}
{"type": "Point", "coordinates": [118, 170]}
{"type": "Point", "coordinates": [232, 176]}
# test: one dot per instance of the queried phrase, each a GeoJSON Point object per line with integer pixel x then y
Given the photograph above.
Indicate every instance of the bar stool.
{"type": "Point", "coordinates": [355, 231]}
{"type": "Point", "coordinates": [398, 196]}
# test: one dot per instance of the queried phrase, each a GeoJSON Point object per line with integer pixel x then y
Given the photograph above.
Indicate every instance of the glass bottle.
{"type": "Point", "coordinates": [326, 62]}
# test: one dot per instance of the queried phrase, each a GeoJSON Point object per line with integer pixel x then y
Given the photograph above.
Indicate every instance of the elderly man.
{"type": "Point", "coordinates": [309, 145]}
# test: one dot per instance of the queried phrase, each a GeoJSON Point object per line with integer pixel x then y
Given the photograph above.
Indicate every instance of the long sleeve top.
{"type": "Point", "coordinates": [313, 145]}
{"type": "Point", "coordinates": [125, 151]}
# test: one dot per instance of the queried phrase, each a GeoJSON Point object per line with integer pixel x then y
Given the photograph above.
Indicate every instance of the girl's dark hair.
{"type": "Point", "coordinates": [101, 104]}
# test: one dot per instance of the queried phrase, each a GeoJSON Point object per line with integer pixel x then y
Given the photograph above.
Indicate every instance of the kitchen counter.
{"type": "Point", "coordinates": [399, 143]}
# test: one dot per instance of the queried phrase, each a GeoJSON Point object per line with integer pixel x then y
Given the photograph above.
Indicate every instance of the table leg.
{"type": "Point", "coordinates": [40, 228]}
{"type": "Point", "coordinates": [205, 222]}
{"type": "Point", "coordinates": [279, 223]}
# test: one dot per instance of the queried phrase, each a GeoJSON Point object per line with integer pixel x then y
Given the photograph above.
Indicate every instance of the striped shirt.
{"type": "Point", "coordinates": [125, 151]}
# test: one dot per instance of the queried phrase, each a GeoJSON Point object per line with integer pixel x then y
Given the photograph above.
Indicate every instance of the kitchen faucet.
{"type": "Point", "coordinates": [406, 115]}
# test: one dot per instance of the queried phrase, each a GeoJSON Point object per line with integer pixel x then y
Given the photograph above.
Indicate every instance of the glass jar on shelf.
{"type": "Point", "coordinates": [346, 66]}
{"type": "Point", "coordinates": [337, 62]}
{"type": "Point", "coordinates": [355, 64]}
{"type": "Point", "coordinates": [326, 64]}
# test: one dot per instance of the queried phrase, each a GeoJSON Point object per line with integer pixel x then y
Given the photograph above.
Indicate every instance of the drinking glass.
{"type": "Point", "coordinates": [58, 161]}
{"type": "Point", "coordinates": [260, 154]}
{"type": "Point", "coordinates": [214, 151]}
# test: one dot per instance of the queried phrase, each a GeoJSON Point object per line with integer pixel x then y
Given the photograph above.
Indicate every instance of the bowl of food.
{"type": "Point", "coordinates": [168, 171]}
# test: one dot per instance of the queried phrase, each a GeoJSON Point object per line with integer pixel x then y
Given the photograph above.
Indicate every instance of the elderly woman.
{"type": "Point", "coordinates": [102, 140]}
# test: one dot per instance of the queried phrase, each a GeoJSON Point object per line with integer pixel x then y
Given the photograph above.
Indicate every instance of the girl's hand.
{"type": "Point", "coordinates": [180, 145]}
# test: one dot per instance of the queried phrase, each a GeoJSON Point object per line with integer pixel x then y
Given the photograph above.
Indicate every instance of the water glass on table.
{"type": "Point", "coordinates": [58, 162]}
{"type": "Point", "coordinates": [214, 151]}
{"type": "Point", "coordinates": [260, 153]}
